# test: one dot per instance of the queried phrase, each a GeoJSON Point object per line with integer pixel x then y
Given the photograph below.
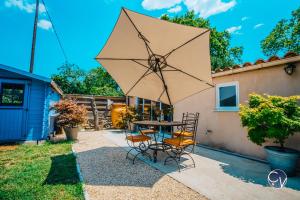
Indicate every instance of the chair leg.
{"type": "Point", "coordinates": [193, 148]}
{"type": "Point", "coordinates": [144, 153]}
{"type": "Point", "coordinates": [128, 153]}
{"type": "Point", "coordinates": [190, 157]}
{"type": "Point", "coordinates": [135, 157]}
{"type": "Point", "coordinates": [175, 157]}
{"type": "Point", "coordinates": [148, 155]}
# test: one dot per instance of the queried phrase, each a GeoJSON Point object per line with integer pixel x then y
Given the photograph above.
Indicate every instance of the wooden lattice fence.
{"type": "Point", "coordinates": [97, 106]}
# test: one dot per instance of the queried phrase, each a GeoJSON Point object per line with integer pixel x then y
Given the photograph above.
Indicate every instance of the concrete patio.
{"type": "Point", "coordinates": [217, 175]}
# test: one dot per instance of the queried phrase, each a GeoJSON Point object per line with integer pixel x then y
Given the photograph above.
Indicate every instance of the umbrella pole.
{"type": "Point", "coordinates": [165, 86]}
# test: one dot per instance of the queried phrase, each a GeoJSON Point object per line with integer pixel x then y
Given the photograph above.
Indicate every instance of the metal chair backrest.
{"type": "Point", "coordinates": [191, 123]}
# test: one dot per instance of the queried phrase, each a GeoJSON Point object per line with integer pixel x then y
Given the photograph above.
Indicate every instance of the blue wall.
{"type": "Point", "coordinates": [36, 104]}
{"type": "Point", "coordinates": [39, 96]}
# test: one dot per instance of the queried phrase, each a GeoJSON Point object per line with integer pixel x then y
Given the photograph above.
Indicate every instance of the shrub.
{"type": "Point", "coordinates": [270, 117]}
{"type": "Point", "coordinates": [127, 116]}
{"type": "Point", "coordinates": [70, 114]}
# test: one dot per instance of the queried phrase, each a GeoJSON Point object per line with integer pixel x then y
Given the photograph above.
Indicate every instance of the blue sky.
{"type": "Point", "coordinates": [84, 26]}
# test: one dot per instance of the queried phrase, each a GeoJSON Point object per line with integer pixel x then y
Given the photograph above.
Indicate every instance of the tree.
{"type": "Point", "coordinates": [222, 55]}
{"type": "Point", "coordinates": [74, 80]}
{"type": "Point", "coordinates": [271, 117]}
{"type": "Point", "coordinates": [69, 78]}
{"type": "Point", "coordinates": [99, 82]}
{"type": "Point", "coordinates": [284, 37]}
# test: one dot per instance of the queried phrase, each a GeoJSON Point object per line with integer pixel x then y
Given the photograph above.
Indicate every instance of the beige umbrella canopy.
{"type": "Point", "coordinates": [157, 60]}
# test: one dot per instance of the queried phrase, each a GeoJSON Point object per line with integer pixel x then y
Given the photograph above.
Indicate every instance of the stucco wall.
{"type": "Point", "coordinates": [227, 132]}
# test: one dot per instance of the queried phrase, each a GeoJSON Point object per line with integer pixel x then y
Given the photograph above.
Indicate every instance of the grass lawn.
{"type": "Point", "coordinates": [46, 171]}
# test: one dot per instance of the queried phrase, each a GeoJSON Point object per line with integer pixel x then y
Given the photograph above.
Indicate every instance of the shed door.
{"type": "Point", "coordinates": [13, 109]}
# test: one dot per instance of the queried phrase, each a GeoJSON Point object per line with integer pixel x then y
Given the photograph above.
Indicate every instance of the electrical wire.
{"type": "Point", "coordinates": [55, 32]}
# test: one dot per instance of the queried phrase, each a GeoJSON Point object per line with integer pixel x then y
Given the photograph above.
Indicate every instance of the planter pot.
{"type": "Point", "coordinates": [71, 133]}
{"type": "Point", "coordinates": [285, 159]}
{"type": "Point", "coordinates": [116, 111]}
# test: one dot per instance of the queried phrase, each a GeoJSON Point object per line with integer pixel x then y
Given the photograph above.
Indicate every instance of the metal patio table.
{"type": "Point", "coordinates": [158, 146]}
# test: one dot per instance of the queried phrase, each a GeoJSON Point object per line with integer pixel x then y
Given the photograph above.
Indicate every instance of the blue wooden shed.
{"type": "Point", "coordinates": [25, 101]}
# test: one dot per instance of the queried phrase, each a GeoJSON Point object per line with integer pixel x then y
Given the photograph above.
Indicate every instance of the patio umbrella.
{"type": "Point", "coordinates": [157, 60]}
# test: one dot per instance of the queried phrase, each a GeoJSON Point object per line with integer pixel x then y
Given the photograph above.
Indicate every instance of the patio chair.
{"type": "Point", "coordinates": [190, 129]}
{"type": "Point", "coordinates": [183, 138]}
{"type": "Point", "coordinates": [138, 142]}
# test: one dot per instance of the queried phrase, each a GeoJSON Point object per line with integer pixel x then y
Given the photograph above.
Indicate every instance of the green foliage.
{"type": "Point", "coordinates": [99, 82]}
{"type": "Point", "coordinates": [70, 78]}
{"type": "Point", "coordinates": [44, 172]}
{"type": "Point", "coordinates": [284, 37]}
{"type": "Point", "coordinates": [73, 80]}
{"type": "Point", "coordinates": [222, 55]}
{"type": "Point", "coordinates": [270, 117]}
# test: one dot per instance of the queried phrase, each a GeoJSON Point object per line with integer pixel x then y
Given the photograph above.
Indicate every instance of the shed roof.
{"type": "Point", "coordinates": [32, 76]}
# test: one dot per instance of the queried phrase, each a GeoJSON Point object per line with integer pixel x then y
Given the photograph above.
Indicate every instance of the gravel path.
{"type": "Point", "coordinates": [108, 175]}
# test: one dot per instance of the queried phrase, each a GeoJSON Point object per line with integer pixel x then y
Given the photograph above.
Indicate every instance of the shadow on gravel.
{"type": "Point", "coordinates": [109, 166]}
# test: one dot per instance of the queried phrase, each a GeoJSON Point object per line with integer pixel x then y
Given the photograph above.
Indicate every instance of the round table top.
{"type": "Point", "coordinates": [157, 123]}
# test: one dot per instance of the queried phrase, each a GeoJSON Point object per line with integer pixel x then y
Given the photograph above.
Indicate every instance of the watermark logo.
{"type": "Point", "coordinates": [277, 178]}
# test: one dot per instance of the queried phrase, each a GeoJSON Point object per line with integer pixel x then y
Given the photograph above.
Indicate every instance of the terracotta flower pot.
{"type": "Point", "coordinates": [71, 133]}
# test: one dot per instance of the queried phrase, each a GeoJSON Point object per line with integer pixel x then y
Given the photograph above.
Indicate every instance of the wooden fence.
{"type": "Point", "coordinates": [97, 106]}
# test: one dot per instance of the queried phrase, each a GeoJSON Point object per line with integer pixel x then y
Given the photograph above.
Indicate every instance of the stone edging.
{"type": "Point", "coordinates": [85, 194]}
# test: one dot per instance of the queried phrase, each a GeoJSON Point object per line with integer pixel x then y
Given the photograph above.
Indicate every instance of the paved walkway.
{"type": "Point", "coordinates": [220, 176]}
{"type": "Point", "coordinates": [108, 175]}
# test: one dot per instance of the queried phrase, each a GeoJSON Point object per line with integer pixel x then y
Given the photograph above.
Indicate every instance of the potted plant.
{"type": "Point", "coordinates": [70, 117]}
{"type": "Point", "coordinates": [128, 115]}
{"type": "Point", "coordinates": [273, 118]}
{"type": "Point", "coordinates": [158, 114]}
{"type": "Point", "coordinates": [168, 113]}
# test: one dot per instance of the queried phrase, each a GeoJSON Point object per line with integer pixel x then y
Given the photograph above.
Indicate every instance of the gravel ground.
{"type": "Point", "coordinates": [108, 175]}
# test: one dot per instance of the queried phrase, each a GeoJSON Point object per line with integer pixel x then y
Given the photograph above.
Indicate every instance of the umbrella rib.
{"type": "Point", "coordinates": [140, 34]}
{"type": "Point", "coordinates": [137, 82]}
{"type": "Point", "coordinates": [176, 69]}
{"type": "Point", "coordinates": [168, 54]}
{"type": "Point", "coordinates": [161, 94]}
{"type": "Point", "coordinates": [141, 64]}
{"type": "Point", "coordinates": [147, 68]}
{"type": "Point", "coordinates": [161, 78]}
{"type": "Point", "coordinates": [121, 59]}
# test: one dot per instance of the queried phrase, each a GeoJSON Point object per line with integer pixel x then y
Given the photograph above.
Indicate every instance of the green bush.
{"type": "Point", "coordinates": [270, 117]}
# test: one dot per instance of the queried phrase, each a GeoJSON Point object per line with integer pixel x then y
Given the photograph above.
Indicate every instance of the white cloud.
{"type": "Point", "coordinates": [42, 8]}
{"type": "Point", "coordinates": [234, 29]}
{"type": "Point", "coordinates": [159, 4]}
{"type": "Point", "coordinates": [44, 24]}
{"type": "Point", "coordinates": [204, 8]}
{"type": "Point", "coordinates": [244, 18]}
{"type": "Point", "coordinates": [23, 5]}
{"type": "Point", "coordinates": [208, 8]}
{"type": "Point", "coordinates": [258, 25]}
{"type": "Point", "coordinates": [175, 9]}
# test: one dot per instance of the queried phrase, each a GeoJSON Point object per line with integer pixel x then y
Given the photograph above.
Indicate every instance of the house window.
{"type": "Point", "coordinates": [12, 94]}
{"type": "Point", "coordinates": [227, 97]}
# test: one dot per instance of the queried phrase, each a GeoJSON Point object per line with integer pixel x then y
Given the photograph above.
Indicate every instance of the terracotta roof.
{"type": "Point", "coordinates": [246, 64]}
{"type": "Point", "coordinates": [273, 58]}
{"type": "Point", "coordinates": [290, 54]}
{"type": "Point", "coordinates": [258, 61]}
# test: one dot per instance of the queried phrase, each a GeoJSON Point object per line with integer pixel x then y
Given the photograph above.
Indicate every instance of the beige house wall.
{"type": "Point", "coordinates": [226, 130]}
